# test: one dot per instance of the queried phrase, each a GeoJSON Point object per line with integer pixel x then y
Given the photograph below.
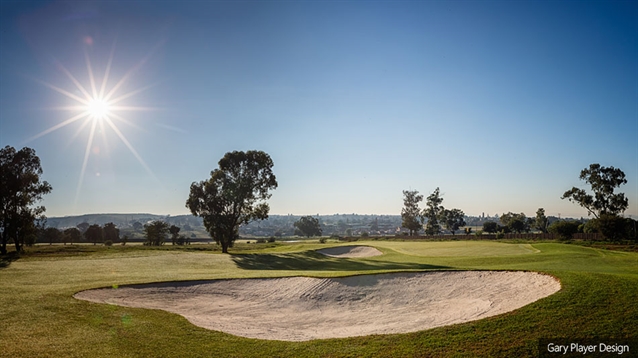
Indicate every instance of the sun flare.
{"type": "Point", "coordinates": [98, 109]}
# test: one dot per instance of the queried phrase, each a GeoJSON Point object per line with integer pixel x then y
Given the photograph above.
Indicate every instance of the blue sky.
{"type": "Point", "coordinates": [500, 104]}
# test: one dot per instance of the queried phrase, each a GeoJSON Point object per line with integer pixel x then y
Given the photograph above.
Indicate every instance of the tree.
{"type": "Point", "coordinates": [174, 230]}
{"type": "Point", "coordinates": [94, 233]}
{"type": "Point", "coordinates": [541, 221]}
{"type": "Point", "coordinates": [433, 212]}
{"type": "Point", "coordinates": [603, 181]}
{"type": "Point", "coordinates": [453, 219]}
{"type": "Point", "coordinates": [51, 235]}
{"type": "Point", "coordinates": [565, 229]}
{"type": "Point", "coordinates": [308, 226]}
{"type": "Point", "coordinates": [83, 227]}
{"type": "Point", "coordinates": [111, 233]}
{"type": "Point", "coordinates": [411, 214]}
{"type": "Point", "coordinates": [72, 235]}
{"type": "Point", "coordinates": [614, 227]}
{"type": "Point", "coordinates": [234, 195]}
{"type": "Point", "coordinates": [515, 222]}
{"type": "Point", "coordinates": [20, 189]}
{"type": "Point", "coordinates": [490, 227]}
{"type": "Point", "coordinates": [156, 232]}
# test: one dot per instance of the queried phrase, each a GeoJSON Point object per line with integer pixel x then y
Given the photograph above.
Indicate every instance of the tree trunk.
{"type": "Point", "coordinates": [3, 248]}
{"type": "Point", "coordinates": [224, 247]}
{"type": "Point", "coordinates": [18, 248]}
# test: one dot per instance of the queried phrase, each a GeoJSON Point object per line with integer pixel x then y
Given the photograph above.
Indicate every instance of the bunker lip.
{"type": "Point", "coordinates": [350, 251]}
{"type": "Point", "coordinates": [306, 308]}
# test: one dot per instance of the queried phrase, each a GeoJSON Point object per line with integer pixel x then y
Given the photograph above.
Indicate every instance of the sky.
{"type": "Point", "coordinates": [500, 104]}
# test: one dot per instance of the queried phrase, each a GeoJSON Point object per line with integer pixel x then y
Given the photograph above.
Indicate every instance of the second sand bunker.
{"type": "Point", "coordinates": [350, 251]}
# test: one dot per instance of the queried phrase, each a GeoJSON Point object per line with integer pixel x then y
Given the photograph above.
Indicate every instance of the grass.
{"type": "Point", "coordinates": [39, 317]}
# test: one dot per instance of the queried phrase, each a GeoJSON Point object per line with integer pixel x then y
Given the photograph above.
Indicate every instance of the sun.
{"type": "Point", "coordinates": [98, 109]}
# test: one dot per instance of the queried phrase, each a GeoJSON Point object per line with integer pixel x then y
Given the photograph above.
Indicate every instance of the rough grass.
{"type": "Point", "coordinates": [39, 316]}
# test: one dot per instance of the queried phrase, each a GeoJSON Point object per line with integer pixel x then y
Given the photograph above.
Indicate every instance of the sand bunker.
{"type": "Point", "coordinates": [350, 251]}
{"type": "Point", "coordinates": [305, 308]}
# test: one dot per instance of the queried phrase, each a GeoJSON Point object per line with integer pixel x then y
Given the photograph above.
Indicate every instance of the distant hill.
{"type": "Point", "coordinates": [121, 220]}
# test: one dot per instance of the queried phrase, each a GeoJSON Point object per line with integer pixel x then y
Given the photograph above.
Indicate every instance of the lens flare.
{"type": "Point", "coordinates": [96, 106]}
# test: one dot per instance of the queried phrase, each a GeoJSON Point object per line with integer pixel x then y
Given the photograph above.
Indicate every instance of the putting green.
{"type": "Point", "coordinates": [457, 248]}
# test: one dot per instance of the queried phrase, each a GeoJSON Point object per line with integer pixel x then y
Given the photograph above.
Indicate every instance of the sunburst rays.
{"type": "Point", "coordinates": [97, 107]}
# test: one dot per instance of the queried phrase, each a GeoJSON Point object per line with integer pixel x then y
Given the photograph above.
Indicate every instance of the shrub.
{"type": "Point", "coordinates": [271, 239]}
{"type": "Point", "coordinates": [590, 227]}
{"type": "Point", "coordinates": [615, 228]}
{"type": "Point", "coordinates": [29, 240]}
{"type": "Point", "coordinates": [365, 234]}
{"type": "Point", "coordinates": [478, 232]}
{"type": "Point", "coordinates": [261, 241]}
{"type": "Point", "coordinates": [108, 243]}
{"type": "Point", "coordinates": [564, 229]}
{"type": "Point", "coordinates": [323, 240]}
{"type": "Point", "coordinates": [490, 227]}
{"type": "Point", "coordinates": [500, 235]}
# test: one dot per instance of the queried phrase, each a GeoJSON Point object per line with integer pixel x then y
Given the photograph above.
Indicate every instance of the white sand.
{"type": "Point", "coordinates": [350, 251]}
{"type": "Point", "coordinates": [304, 308]}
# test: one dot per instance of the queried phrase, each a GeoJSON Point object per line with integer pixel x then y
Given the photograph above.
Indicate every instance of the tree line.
{"type": "Point", "coordinates": [156, 233]}
{"type": "Point", "coordinates": [432, 218]}
{"type": "Point", "coordinates": [237, 191]}
{"type": "Point", "coordinates": [605, 205]}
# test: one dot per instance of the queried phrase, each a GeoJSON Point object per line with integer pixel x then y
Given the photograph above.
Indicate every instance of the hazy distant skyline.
{"type": "Point", "coordinates": [499, 104]}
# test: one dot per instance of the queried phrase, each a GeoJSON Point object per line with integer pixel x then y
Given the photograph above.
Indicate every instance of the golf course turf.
{"type": "Point", "coordinates": [40, 317]}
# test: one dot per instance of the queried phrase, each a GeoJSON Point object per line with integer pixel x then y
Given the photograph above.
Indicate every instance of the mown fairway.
{"type": "Point", "coordinates": [39, 316]}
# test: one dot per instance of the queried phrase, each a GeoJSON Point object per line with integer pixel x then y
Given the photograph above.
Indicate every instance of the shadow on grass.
{"type": "Point", "coordinates": [6, 260]}
{"type": "Point", "coordinates": [312, 261]}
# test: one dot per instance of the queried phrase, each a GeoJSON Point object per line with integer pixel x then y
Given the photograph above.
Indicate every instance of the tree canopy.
{"type": "Point", "coordinates": [541, 221]}
{"type": "Point", "coordinates": [156, 233]}
{"type": "Point", "coordinates": [83, 226]}
{"type": "Point", "coordinates": [111, 233]}
{"type": "Point", "coordinates": [52, 235]}
{"type": "Point", "coordinates": [308, 226]}
{"type": "Point", "coordinates": [490, 227]}
{"type": "Point", "coordinates": [411, 213]}
{"type": "Point", "coordinates": [433, 212]}
{"type": "Point", "coordinates": [603, 181]}
{"type": "Point", "coordinates": [565, 229]}
{"type": "Point", "coordinates": [453, 219]}
{"type": "Point", "coordinates": [515, 222]}
{"type": "Point", "coordinates": [234, 194]}
{"type": "Point", "coordinates": [174, 230]}
{"type": "Point", "coordinates": [20, 189]}
{"type": "Point", "coordinates": [73, 235]}
{"type": "Point", "coordinates": [94, 233]}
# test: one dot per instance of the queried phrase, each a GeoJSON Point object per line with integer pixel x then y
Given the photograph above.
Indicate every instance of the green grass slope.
{"type": "Point", "coordinates": [40, 318]}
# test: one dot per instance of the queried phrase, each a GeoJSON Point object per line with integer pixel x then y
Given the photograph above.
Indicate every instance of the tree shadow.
{"type": "Point", "coordinates": [6, 260]}
{"type": "Point", "coordinates": [312, 261]}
